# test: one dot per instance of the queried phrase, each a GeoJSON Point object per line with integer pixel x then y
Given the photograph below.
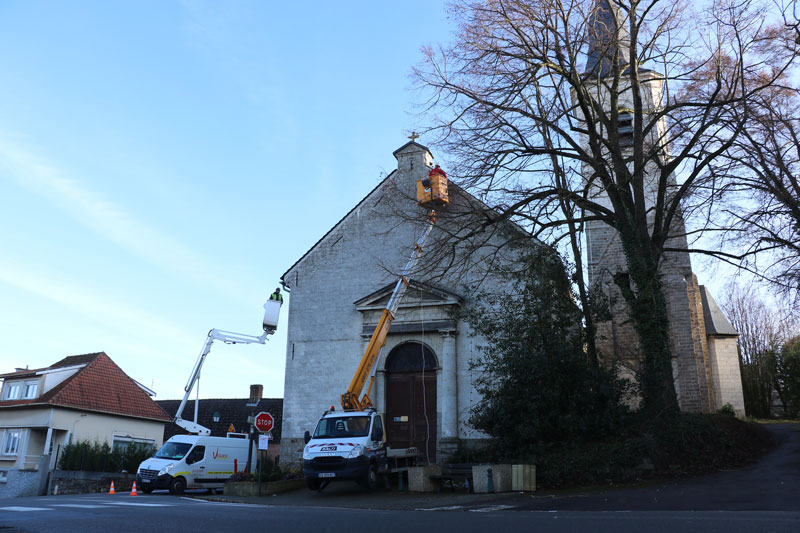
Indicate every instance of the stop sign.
{"type": "Point", "coordinates": [264, 421]}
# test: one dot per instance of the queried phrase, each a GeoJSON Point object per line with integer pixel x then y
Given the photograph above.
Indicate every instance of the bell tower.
{"type": "Point", "coordinates": [609, 49]}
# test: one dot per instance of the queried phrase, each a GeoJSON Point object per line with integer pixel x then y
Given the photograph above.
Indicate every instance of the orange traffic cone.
{"type": "Point", "coordinates": [133, 490]}
{"type": "Point", "coordinates": [112, 491]}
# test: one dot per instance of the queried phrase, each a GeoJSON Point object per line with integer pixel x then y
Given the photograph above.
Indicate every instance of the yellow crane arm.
{"type": "Point", "coordinates": [350, 399]}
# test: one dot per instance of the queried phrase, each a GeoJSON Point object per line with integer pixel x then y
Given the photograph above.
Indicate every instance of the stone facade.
{"type": "Point", "coordinates": [338, 289]}
{"type": "Point", "coordinates": [19, 483]}
{"type": "Point", "coordinates": [694, 367]}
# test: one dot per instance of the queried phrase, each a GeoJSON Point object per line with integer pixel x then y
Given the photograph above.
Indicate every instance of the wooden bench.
{"type": "Point", "coordinates": [455, 475]}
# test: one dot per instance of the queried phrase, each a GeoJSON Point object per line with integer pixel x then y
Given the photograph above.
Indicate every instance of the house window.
{"type": "Point", "coordinates": [30, 389]}
{"type": "Point", "coordinates": [11, 442]}
{"type": "Point", "coordinates": [11, 391]}
{"type": "Point", "coordinates": [3, 476]}
{"type": "Point", "coordinates": [123, 443]}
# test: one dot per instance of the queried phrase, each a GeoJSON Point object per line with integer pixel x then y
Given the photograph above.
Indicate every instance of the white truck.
{"type": "Point", "coordinates": [351, 444]}
{"type": "Point", "coordinates": [193, 462]}
{"type": "Point", "coordinates": [199, 460]}
{"type": "Point", "coordinates": [346, 445]}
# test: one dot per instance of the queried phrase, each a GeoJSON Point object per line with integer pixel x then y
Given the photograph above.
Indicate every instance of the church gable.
{"type": "Point", "coordinates": [417, 294]}
{"type": "Point", "coordinates": [423, 308]}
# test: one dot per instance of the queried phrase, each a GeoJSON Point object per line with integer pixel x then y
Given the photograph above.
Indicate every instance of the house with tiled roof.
{"type": "Point", "coordinates": [81, 397]}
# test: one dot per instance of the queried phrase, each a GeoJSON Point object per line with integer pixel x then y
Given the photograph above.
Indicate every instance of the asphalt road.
{"type": "Point", "coordinates": [762, 497]}
{"type": "Point", "coordinates": [104, 513]}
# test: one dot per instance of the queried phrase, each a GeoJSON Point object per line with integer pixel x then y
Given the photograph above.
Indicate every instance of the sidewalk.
{"type": "Point", "coordinates": [353, 496]}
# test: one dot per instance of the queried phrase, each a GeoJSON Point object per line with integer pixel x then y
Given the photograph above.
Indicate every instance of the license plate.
{"type": "Point", "coordinates": [145, 481]}
{"type": "Point", "coordinates": [327, 474]}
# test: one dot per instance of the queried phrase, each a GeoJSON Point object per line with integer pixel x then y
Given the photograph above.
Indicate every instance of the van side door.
{"type": "Point", "coordinates": [195, 456]}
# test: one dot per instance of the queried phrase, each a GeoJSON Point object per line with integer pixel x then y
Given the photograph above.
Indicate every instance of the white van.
{"type": "Point", "coordinates": [193, 462]}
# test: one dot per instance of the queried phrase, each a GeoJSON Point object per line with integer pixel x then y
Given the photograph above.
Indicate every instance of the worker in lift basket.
{"type": "Point", "coordinates": [437, 170]}
{"type": "Point", "coordinates": [277, 295]}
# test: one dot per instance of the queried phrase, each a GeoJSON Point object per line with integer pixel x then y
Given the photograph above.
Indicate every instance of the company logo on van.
{"type": "Point", "coordinates": [217, 455]}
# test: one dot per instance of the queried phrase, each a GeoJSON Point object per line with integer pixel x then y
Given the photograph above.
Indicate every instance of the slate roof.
{"type": "Point", "coordinates": [716, 321]}
{"type": "Point", "coordinates": [100, 386]}
{"type": "Point", "coordinates": [232, 411]}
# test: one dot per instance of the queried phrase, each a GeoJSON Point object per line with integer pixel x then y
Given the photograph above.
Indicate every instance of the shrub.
{"type": "Point", "coordinates": [537, 385]}
{"type": "Point", "coordinates": [96, 457]}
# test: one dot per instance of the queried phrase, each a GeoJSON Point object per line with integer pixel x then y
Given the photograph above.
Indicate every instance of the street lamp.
{"type": "Point", "coordinates": [215, 417]}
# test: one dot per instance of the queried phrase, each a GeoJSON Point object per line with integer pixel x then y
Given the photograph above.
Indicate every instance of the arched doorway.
{"type": "Point", "coordinates": [411, 398]}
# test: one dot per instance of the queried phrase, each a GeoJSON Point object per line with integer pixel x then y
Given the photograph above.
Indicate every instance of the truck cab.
{"type": "Point", "coordinates": [346, 445]}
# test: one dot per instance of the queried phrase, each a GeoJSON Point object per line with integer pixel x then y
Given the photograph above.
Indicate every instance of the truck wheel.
{"type": "Point", "coordinates": [371, 481]}
{"type": "Point", "coordinates": [312, 484]}
{"type": "Point", "coordinates": [177, 486]}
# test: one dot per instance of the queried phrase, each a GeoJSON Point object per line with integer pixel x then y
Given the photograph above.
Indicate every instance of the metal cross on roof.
{"type": "Point", "coordinates": [413, 136]}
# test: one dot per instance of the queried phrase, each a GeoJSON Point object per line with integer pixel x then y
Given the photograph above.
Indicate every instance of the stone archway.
{"type": "Point", "coordinates": [411, 398]}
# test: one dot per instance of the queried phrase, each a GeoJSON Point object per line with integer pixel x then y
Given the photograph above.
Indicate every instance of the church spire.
{"type": "Point", "coordinates": [608, 37]}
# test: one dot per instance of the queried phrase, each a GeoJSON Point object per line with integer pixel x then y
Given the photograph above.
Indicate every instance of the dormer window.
{"type": "Point", "coordinates": [26, 390]}
{"type": "Point", "coordinates": [11, 391]}
{"type": "Point", "coordinates": [30, 390]}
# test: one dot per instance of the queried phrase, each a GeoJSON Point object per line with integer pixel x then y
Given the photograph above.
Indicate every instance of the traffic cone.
{"type": "Point", "coordinates": [112, 491]}
{"type": "Point", "coordinates": [133, 490]}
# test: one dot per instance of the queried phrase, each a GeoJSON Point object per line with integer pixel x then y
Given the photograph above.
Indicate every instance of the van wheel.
{"type": "Point", "coordinates": [371, 481]}
{"type": "Point", "coordinates": [177, 486]}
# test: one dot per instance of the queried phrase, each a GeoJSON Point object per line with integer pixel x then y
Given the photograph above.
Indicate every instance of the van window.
{"type": "Point", "coordinates": [197, 454]}
{"type": "Point", "coordinates": [173, 450]}
{"type": "Point", "coordinates": [342, 426]}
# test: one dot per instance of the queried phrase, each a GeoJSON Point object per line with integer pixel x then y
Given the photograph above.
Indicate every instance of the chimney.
{"type": "Point", "coordinates": [255, 394]}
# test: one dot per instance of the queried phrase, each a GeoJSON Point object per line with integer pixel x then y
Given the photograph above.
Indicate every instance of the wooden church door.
{"type": "Point", "coordinates": [411, 398]}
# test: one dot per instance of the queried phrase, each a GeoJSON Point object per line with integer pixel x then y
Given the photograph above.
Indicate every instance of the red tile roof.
{"type": "Point", "coordinates": [100, 386]}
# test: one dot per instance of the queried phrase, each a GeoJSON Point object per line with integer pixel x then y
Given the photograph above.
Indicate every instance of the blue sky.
{"type": "Point", "coordinates": [162, 163]}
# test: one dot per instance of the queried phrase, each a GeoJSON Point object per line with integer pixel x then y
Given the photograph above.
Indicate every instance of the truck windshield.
{"type": "Point", "coordinates": [342, 426]}
{"type": "Point", "coordinates": [173, 450]}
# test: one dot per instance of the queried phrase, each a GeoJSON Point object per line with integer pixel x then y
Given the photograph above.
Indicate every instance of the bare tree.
{"type": "Point", "coordinates": [762, 171]}
{"type": "Point", "coordinates": [763, 333]}
{"type": "Point", "coordinates": [561, 113]}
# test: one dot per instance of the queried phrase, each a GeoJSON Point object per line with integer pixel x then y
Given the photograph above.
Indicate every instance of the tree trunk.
{"type": "Point", "coordinates": [644, 293]}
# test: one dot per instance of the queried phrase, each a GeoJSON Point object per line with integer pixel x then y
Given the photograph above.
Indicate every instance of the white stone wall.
{"type": "Point", "coordinates": [20, 483]}
{"type": "Point", "coordinates": [726, 373]}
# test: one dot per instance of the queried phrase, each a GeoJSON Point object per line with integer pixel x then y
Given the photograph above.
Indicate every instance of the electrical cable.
{"type": "Point", "coordinates": [424, 391]}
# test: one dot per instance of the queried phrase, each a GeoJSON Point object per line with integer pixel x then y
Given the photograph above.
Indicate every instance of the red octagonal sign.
{"type": "Point", "coordinates": [264, 422]}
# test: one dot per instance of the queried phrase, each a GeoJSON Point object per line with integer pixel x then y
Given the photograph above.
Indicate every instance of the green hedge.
{"type": "Point", "coordinates": [95, 457]}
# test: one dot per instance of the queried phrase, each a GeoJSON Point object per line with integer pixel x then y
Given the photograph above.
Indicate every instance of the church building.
{"type": "Point", "coordinates": [423, 382]}
{"type": "Point", "coordinates": [423, 379]}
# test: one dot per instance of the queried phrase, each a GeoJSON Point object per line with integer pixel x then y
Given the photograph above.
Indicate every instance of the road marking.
{"type": "Point", "coordinates": [446, 508]}
{"type": "Point", "coordinates": [131, 504]}
{"type": "Point", "coordinates": [78, 505]}
{"type": "Point", "coordinates": [492, 508]}
{"type": "Point", "coordinates": [24, 509]}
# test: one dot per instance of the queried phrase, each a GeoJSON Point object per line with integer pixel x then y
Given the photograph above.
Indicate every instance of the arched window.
{"type": "Point", "coordinates": [409, 357]}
